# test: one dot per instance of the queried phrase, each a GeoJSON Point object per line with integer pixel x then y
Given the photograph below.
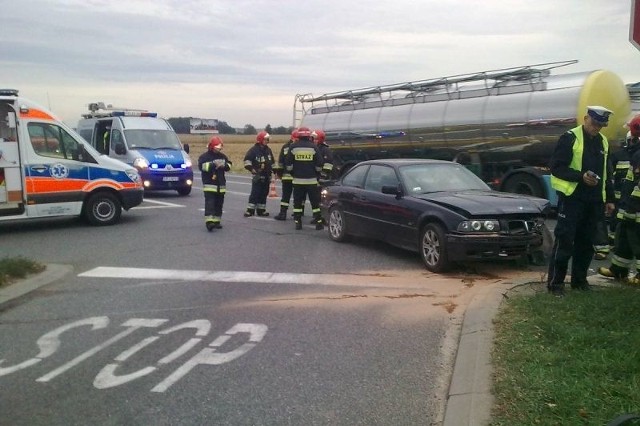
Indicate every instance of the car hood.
{"type": "Point", "coordinates": [480, 203]}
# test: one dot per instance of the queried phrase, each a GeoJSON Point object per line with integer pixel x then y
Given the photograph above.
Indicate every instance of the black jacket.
{"type": "Point", "coordinates": [211, 174]}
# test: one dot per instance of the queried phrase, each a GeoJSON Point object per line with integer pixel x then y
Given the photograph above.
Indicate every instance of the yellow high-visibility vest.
{"type": "Point", "coordinates": [567, 187]}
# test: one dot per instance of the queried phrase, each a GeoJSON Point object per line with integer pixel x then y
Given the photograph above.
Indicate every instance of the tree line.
{"type": "Point", "coordinates": [182, 125]}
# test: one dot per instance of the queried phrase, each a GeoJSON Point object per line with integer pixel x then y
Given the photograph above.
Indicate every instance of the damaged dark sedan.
{"type": "Point", "coordinates": [437, 208]}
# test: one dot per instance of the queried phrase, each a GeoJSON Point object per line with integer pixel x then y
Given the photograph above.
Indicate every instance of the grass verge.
{"type": "Point", "coordinates": [568, 361]}
{"type": "Point", "coordinates": [12, 268]}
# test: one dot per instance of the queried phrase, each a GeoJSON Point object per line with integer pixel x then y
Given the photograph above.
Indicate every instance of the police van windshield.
{"type": "Point", "coordinates": [152, 139]}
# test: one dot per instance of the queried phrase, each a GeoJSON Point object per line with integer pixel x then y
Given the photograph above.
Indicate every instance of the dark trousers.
{"type": "Point", "coordinates": [213, 202]}
{"type": "Point", "coordinates": [300, 193]}
{"type": "Point", "coordinates": [574, 235]}
{"type": "Point", "coordinates": [259, 192]}
{"type": "Point", "coordinates": [627, 248]}
{"type": "Point", "coordinates": [287, 190]}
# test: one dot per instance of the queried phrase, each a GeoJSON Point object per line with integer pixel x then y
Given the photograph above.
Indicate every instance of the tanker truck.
{"type": "Point", "coordinates": [502, 124]}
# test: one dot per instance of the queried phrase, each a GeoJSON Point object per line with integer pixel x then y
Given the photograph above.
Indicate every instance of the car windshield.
{"type": "Point", "coordinates": [152, 139]}
{"type": "Point", "coordinates": [425, 178]}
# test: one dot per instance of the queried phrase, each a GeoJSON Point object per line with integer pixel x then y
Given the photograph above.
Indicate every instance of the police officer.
{"type": "Point", "coordinates": [213, 164]}
{"type": "Point", "coordinates": [305, 163]}
{"type": "Point", "coordinates": [285, 177]}
{"type": "Point", "coordinates": [581, 175]}
{"type": "Point", "coordinates": [259, 161]}
{"type": "Point", "coordinates": [326, 173]}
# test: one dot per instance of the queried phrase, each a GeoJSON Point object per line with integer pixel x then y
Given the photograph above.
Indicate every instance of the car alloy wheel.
{"type": "Point", "coordinates": [337, 225]}
{"type": "Point", "coordinates": [433, 248]}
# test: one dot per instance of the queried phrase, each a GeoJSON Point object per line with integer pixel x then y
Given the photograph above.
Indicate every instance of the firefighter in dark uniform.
{"type": "Point", "coordinates": [621, 161]}
{"type": "Point", "coordinates": [627, 237]}
{"type": "Point", "coordinates": [213, 164]}
{"type": "Point", "coordinates": [581, 175]}
{"type": "Point", "coordinates": [285, 177]}
{"type": "Point", "coordinates": [305, 163]}
{"type": "Point", "coordinates": [259, 161]}
{"type": "Point", "coordinates": [326, 173]}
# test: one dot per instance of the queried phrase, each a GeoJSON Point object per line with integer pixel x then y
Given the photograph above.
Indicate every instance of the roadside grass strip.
{"type": "Point", "coordinates": [568, 361]}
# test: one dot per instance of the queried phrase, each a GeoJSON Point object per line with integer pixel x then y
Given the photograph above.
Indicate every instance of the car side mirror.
{"type": "Point", "coordinates": [392, 190]}
{"type": "Point", "coordinates": [120, 149]}
{"type": "Point", "coordinates": [185, 147]}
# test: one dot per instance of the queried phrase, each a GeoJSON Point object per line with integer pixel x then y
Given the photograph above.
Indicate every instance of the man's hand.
{"type": "Point", "coordinates": [609, 208]}
{"type": "Point", "coordinates": [590, 178]}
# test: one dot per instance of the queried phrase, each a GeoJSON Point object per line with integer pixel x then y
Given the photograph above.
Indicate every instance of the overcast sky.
{"type": "Point", "coordinates": [243, 61]}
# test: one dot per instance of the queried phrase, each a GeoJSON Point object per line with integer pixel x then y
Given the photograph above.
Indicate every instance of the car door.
{"type": "Point", "coordinates": [379, 210]}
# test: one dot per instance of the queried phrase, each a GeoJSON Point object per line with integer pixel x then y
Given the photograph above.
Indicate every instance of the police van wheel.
{"type": "Point", "coordinates": [185, 190]}
{"type": "Point", "coordinates": [102, 209]}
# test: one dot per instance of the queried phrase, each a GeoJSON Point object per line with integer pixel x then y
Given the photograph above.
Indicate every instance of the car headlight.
{"type": "Point", "coordinates": [480, 225]}
{"type": "Point", "coordinates": [140, 163]}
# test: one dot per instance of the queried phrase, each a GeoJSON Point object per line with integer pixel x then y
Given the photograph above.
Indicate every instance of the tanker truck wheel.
{"type": "Point", "coordinates": [524, 184]}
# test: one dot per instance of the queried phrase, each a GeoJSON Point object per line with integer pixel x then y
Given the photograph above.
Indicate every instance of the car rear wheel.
{"type": "Point", "coordinates": [102, 209]}
{"type": "Point", "coordinates": [337, 225]}
{"type": "Point", "coordinates": [433, 248]}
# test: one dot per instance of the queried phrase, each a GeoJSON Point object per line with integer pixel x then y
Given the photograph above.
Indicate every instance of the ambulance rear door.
{"type": "Point", "coordinates": [11, 179]}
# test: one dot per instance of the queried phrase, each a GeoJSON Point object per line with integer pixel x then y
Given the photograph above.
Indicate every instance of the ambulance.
{"type": "Point", "coordinates": [48, 170]}
{"type": "Point", "coordinates": [142, 139]}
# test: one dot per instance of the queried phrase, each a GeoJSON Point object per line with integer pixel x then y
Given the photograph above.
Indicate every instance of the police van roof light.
{"type": "Point", "coordinates": [133, 114]}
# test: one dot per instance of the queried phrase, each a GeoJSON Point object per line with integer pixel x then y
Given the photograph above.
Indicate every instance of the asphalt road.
{"type": "Point", "coordinates": [162, 322]}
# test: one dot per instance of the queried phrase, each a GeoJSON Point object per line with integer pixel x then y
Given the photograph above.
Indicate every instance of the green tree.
{"type": "Point", "coordinates": [225, 129]}
{"type": "Point", "coordinates": [268, 129]}
{"type": "Point", "coordinates": [249, 130]}
{"type": "Point", "coordinates": [181, 125]}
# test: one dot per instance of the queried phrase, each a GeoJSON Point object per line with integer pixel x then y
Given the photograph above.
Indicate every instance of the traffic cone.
{"type": "Point", "coordinates": [272, 190]}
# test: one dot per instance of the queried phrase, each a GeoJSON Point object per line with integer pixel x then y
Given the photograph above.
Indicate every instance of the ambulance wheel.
{"type": "Point", "coordinates": [185, 190]}
{"type": "Point", "coordinates": [102, 209]}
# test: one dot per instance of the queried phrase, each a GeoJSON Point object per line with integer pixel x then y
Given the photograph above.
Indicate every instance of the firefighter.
{"type": "Point", "coordinates": [581, 175]}
{"type": "Point", "coordinates": [326, 173]}
{"type": "Point", "coordinates": [627, 237]}
{"type": "Point", "coordinates": [285, 177]}
{"type": "Point", "coordinates": [621, 161]}
{"type": "Point", "coordinates": [259, 161]}
{"type": "Point", "coordinates": [213, 164]}
{"type": "Point", "coordinates": [106, 140]}
{"type": "Point", "coordinates": [305, 163]}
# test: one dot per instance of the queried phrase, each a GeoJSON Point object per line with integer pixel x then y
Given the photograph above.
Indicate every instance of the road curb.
{"type": "Point", "coordinates": [470, 399]}
{"type": "Point", "coordinates": [53, 272]}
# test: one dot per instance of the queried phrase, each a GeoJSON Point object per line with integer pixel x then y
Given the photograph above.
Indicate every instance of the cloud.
{"type": "Point", "coordinates": [243, 61]}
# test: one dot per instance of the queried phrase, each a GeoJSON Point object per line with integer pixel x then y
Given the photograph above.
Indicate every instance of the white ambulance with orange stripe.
{"type": "Point", "coordinates": [47, 169]}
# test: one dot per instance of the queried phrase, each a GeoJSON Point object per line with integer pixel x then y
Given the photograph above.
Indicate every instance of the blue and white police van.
{"type": "Point", "coordinates": [142, 139]}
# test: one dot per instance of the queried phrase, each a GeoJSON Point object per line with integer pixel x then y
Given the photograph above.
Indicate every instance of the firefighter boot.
{"type": "Point", "coordinates": [262, 212]}
{"type": "Point", "coordinates": [210, 226]}
{"type": "Point", "coordinates": [317, 220]}
{"type": "Point", "coordinates": [298, 220]}
{"type": "Point", "coordinates": [249, 213]}
{"type": "Point", "coordinates": [282, 215]}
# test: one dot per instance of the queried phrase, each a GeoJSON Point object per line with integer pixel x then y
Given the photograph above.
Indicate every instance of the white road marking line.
{"type": "Point", "coordinates": [248, 277]}
{"type": "Point", "coordinates": [162, 204]}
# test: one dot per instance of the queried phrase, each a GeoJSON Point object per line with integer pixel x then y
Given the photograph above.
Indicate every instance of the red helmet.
{"type": "Point", "coordinates": [634, 126]}
{"type": "Point", "coordinates": [262, 137]}
{"type": "Point", "coordinates": [294, 135]}
{"type": "Point", "coordinates": [215, 143]}
{"type": "Point", "coordinates": [304, 132]}
{"type": "Point", "coordinates": [318, 136]}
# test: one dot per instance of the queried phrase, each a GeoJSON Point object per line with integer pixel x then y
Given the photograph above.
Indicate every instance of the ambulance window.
{"type": "Point", "coordinates": [116, 138]}
{"type": "Point", "coordinates": [49, 140]}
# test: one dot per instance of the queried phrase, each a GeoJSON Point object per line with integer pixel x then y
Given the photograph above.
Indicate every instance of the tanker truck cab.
{"type": "Point", "coordinates": [143, 140]}
{"type": "Point", "coordinates": [48, 170]}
